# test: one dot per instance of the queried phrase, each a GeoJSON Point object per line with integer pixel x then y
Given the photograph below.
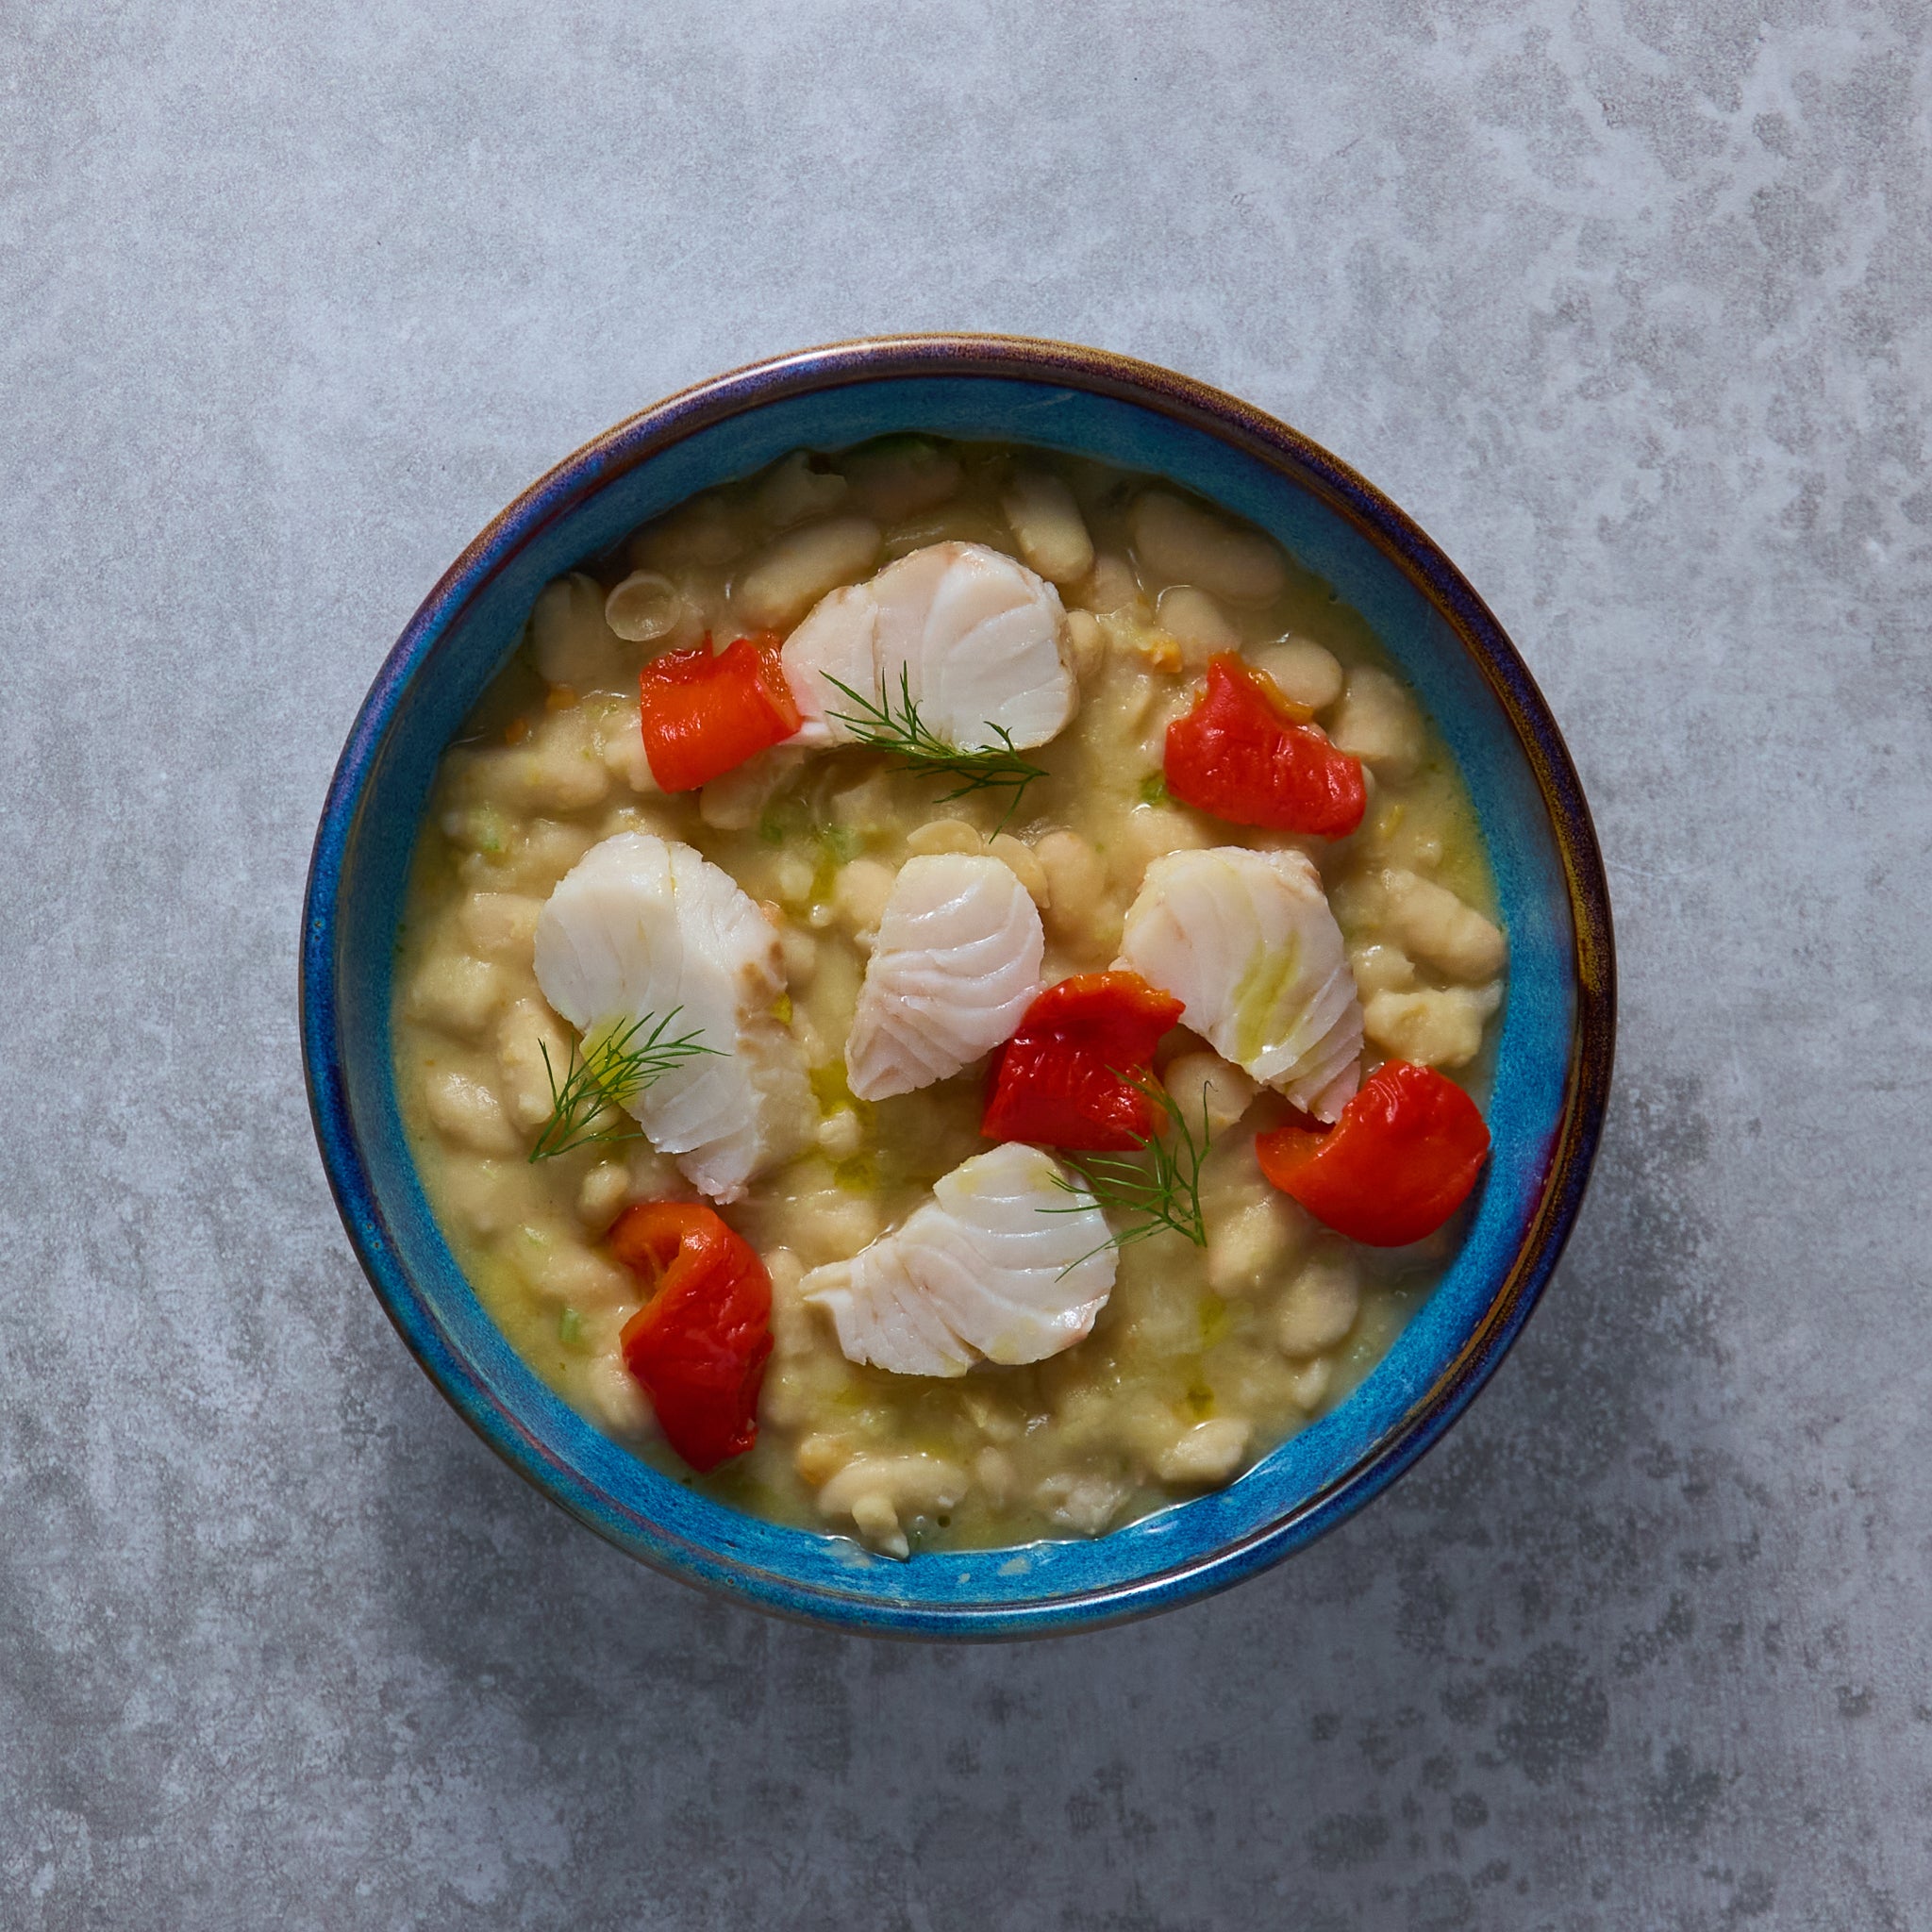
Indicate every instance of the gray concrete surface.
{"type": "Point", "coordinates": [1626, 302]}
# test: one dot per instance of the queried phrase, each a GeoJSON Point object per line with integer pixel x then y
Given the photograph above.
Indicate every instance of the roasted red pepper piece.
{"type": "Point", "coordinates": [699, 1345]}
{"type": "Point", "coordinates": [1397, 1164]}
{"type": "Point", "coordinates": [1244, 755]}
{"type": "Point", "coordinates": [1057, 1082]}
{"type": "Point", "coordinates": [705, 714]}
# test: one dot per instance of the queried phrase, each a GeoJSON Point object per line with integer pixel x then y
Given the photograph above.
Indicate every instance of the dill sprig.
{"type": "Point", "coordinates": [1160, 1186]}
{"type": "Point", "coordinates": [919, 748]}
{"type": "Point", "coordinates": [612, 1069]}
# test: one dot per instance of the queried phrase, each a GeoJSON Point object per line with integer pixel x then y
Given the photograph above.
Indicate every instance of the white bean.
{"type": "Point", "coordinates": [558, 769]}
{"type": "Point", "coordinates": [1151, 832]}
{"type": "Point", "coordinates": [1321, 1305]}
{"type": "Point", "coordinates": [569, 639]}
{"type": "Point", "coordinates": [792, 878]}
{"type": "Point", "coordinates": [455, 992]}
{"type": "Point", "coordinates": [859, 894]}
{"type": "Point", "coordinates": [994, 1476]}
{"type": "Point", "coordinates": [840, 1134]}
{"type": "Point", "coordinates": [1434, 925]}
{"type": "Point", "coordinates": [795, 491]}
{"type": "Point", "coordinates": [1380, 968]}
{"type": "Point", "coordinates": [1020, 860]}
{"type": "Point", "coordinates": [621, 1406]}
{"type": "Point", "coordinates": [804, 1387]}
{"type": "Point", "coordinates": [546, 851]}
{"type": "Point", "coordinates": [876, 1491]}
{"type": "Point", "coordinates": [901, 477]}
{"type": "Point", "coordinates": [500, 925]}
{"type": "Point", "coordinates": [1086, 645]}
{"type": "Point", "coordinates": [829, 1224]}
{"type": "Point", "coordinates": [1076, 880]}
{"type": "Point", "coordinates": [1379, 724]}
{"type": "Point", "coordinates": [1211, 1452]}
{"type": "Point", "coordinates": [622, 739]}
{"type": "Point", "coordinates": [464, 1110]}
{"type": "Point", "coordinates": [794, 1325]}
{"type": "Point", "coordinates": [1112, 586]}
{"type": "Point", "coordinates": [1435, 1029]}
{"type": "Point", "coordinates": [574, 1277]}
{"type": "Point", "coordinates": [655, 1176]}
{"type": "Point", "coordinates": [1303, 671]}
{"type": "Point", "coordinates": [1179, 544]}
{"type": "Point", "coordinates": [1202, 1083]}
{"type": "Point", "coordinates": [878, 1522]}
{"type": "Point", "coordinates": [1197, 624]}
{"type": "Point", "coordinates": [789, 576]}
{"type": "Point", "coordinates": [818, 1457]}
{"type": "Point", "coordinates": [483, 831]}
{"type": "Point", "coordinates": [643, 608]}
{"type": "Point", "coordinates": [944, 835]}
{"type": "Point", "coordinates": [530, 1030]}
{"type": "Point", "coordinates": [1047, 526]}
{"type": "Point", "coordinates": [477, 1195]}
{"type": "Point", "coordinates": [707, 532]}
{"type": "Point", "coordinates": [1309, 1383]}
{"type": "Point", "coordinates": [603, 1193]}
{"type": "Point", "coordinates": [1248, 1245]}
{"type": "Point", "coordinates": [999, 1420]}
{"type": "Point", "coordinates": [801, 954]}
{"type": "Point", "coordinates": [1083, 1503]}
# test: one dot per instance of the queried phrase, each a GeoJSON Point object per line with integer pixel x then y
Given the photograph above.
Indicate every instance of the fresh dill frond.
{"type": "Point", "coordinates": [611, 1071]}
{"type": "Point", "coordinates": [1156, 1191]}
{"type": "Point", "coordinates": [875, 724]}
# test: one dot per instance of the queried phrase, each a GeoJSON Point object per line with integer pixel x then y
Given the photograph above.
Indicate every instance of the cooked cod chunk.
{"type": "Point", "coordinates": [1009, 1262]}
{"type": "Point", "coordinates": [972, 637]}
{"type": "Point", "coordinates": [641, 928]}
{"type": "Point", "coordinates": [955, 965]}
{"type": "Point", "coordinates": [1246, 942]}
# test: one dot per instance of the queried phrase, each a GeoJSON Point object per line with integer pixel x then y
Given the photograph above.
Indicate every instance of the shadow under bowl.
{"type": "Point", "coordinates": [1553, 1061]}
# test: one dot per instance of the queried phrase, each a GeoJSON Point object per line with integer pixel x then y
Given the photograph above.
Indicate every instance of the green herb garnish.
{"type": "Point", "coordinates": [919, 748]}
{"type": "Point", "coordinates": [1159, 1188]}
{"type": "Point", "coordinates": [1154, 789]}
{"type": "Point", "coordinates": [613, 1068]}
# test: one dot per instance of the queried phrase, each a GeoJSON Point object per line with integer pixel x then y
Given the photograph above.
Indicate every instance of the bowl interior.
{"type": "Point", "coordinates": [443, 664]}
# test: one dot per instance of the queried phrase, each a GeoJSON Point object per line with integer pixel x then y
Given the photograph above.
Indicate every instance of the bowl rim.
{"type": "Point", "coordinates": [641, 436]}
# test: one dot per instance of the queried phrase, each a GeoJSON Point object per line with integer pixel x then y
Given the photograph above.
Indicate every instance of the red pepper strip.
{"type": "Point", "coordinates": [1244, 755]}
{"type": "Point", "coordinates": [698, 1346]}
{"type": "Point", "coordinates": [703, 714]}
{"type": "Point", "coordinates": [1397, 1164]}
{"type": "Point", "coordinates": [1057, 1081]}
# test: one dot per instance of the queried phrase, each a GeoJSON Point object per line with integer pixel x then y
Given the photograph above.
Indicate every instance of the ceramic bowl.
{"type": "Point", "coordinates": [1553, 1065]}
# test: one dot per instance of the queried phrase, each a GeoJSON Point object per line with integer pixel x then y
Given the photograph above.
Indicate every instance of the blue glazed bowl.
{"type": "Point", "coordinates": [1552, 1066]}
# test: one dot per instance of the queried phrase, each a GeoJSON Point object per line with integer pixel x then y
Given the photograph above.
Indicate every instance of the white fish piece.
{"type": "Point", "coordinates": [884, 1316]}
{"type": "Point", "coordinates": [976, 640]}
{"type": "Point", "coordinates": [955, 965]}
{"type": "Point", "coordinates": [1246, 942]}
{"type": "Point", "coordinates": [1004, 1264]}
{"type": "Point", "coordinates": [642, 926]}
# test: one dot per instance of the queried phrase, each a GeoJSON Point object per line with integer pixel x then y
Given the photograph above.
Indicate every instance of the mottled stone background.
{"type": "Point", "coordinates": [1626, 302]}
